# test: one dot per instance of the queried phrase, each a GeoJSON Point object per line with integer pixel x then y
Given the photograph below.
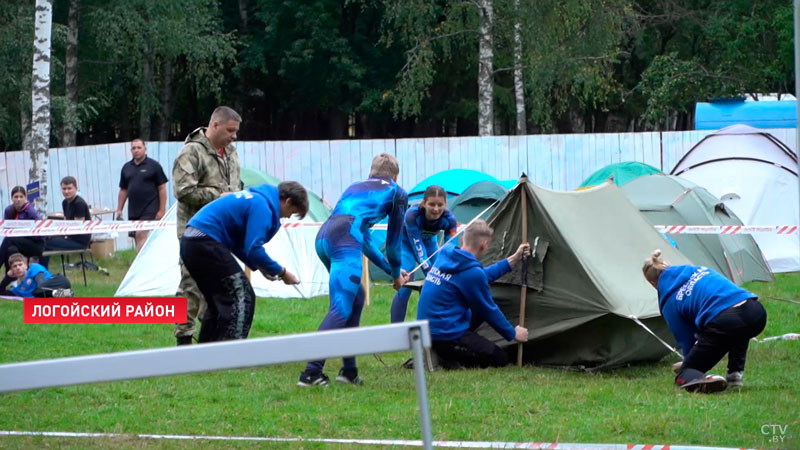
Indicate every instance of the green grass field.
{"type": "Point", "coordinates": [631, 405]}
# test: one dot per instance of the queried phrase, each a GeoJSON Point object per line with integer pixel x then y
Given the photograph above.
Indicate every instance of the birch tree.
{"type": "Point", "coordinates": [519, 87]}
{"type": "Point", "coordinates": [485, 68]}
{"type": "Point", "coordinates": [40, 104]}
{"type": "Point", "coordinates": [71, 75]}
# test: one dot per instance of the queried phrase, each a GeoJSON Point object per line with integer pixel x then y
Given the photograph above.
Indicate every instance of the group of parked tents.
{"type": "Point", "coordinates": [587, 304]}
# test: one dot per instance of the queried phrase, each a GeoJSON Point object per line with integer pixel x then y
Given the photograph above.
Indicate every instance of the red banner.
{"type": "Point", "coordinates": [105, 310]}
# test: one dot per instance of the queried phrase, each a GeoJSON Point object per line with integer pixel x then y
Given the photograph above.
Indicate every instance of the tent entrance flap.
{"type": "Point", "coordinates": [535, 280]}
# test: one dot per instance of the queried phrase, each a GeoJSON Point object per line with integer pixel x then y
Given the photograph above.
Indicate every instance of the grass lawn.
{"type": "Point", "coordinates": [631, 405]}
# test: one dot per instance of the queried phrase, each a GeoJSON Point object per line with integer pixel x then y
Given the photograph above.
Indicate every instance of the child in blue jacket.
{"type": "Point", "coordinates": [709, 317]}
{"type": "Point", "coordinates": [29, 278]}
{"type": "Point", "coordinates": [239, 223]}
{"type": "Point", "coordinates": [456, 299]}
{"type": "Point", "coordinates": [420, 240]}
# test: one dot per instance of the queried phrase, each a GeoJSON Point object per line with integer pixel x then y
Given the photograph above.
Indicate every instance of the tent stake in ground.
{"type": "Point", "coordinates": [523, 293]}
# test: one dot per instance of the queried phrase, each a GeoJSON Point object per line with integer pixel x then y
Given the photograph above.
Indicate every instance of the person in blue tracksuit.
{"type": "Point", "coordinates": [339, 244]}
{"type": "Point", "coordinates": [420, 240]}
{"type": "Point", "coordinates": [239, 223]}
{"type": "Point", "coordinates": [709, 317]}
{"type": "Point", "coordinates": [456, 299]}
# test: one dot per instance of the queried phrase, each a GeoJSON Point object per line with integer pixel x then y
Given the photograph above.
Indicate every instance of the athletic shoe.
{"type": "Point", "coordinates": [66, 292]}
{"type": "Point", "coordinates": [184, 340]}
{"type": "Point", "coordinates": [734, 379]}
{"type": "Point", "coordinates": [349, 377]}
{"type": "Point", "coordinates": [706, 385]}
{"type": "Point", "coordinates": [308, 380]}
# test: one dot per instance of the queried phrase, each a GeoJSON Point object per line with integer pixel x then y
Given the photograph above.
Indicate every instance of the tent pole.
{"type": "Point", "coordinates": [365, 278]}
{"type": "Point", "coordinates": [797, 79]}
{"type": "Point", "coordinates": [523, 295]}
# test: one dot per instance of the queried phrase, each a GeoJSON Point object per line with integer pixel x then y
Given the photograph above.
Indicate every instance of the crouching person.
{"type": "Point", "coordinates": [456, 299]}
{"type": "Point", "coordinates": [239, 223]}
{"type": "Point", "coordinates": [701, 305]}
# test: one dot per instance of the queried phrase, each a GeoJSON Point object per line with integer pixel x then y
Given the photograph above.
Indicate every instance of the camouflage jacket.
{"type": "Point", "coordinates": [200, 175]}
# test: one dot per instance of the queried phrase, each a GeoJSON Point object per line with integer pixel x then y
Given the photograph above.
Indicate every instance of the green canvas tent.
{"type": "Point", "coordinates": [585, 281]}
{"type": "Point", "coordinates": [317, 210]}
{"type": "Point", "coordinates": [670, 200]}
{"type": "Point", "coordinates": [475, 199]}
{"type": "Point", "coordinates": [622, 172]}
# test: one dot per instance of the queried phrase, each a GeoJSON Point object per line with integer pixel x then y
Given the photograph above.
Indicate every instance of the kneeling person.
{"type": "Point", "coordinates": [239, 223]}
{"type": "Point", "coordinates": [456, 299]}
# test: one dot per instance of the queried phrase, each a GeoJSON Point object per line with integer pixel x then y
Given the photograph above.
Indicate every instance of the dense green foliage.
{"type": "Point", "coordinates": [390, 68]}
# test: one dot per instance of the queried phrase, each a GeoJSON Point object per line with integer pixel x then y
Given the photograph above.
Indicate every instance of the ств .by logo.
{"type": "Point", "coordinates": [778, 432]}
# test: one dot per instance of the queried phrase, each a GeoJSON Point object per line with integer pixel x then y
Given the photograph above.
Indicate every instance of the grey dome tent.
{"type": "Point", "coordinates": [585, 283]}
{"type": "Point", "coordinates": [670, 200]}
{"type": "Point", "coordinates": [475, 199]}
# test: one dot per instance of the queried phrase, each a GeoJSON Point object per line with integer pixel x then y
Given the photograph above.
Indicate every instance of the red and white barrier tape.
{"type": "Point", "coordinates": [726, 229]}
{"type": "Point", "coordinates": [382, 442]}
{"type": "Point", "coordinates": [67, 227]}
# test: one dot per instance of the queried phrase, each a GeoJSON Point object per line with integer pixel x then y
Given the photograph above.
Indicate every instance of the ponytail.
{"type": "Point", "coordinates": [653, 266]}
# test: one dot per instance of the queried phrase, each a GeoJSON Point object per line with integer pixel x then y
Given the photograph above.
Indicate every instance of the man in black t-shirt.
{"type": "Point", "coordinates": [74, 208]}
{"type": "Point", "coordinates": [142, 182]}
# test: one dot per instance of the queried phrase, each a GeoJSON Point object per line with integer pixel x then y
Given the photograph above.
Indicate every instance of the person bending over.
{"type": "Point", "coordinates": [709, 317]}
{"type": "Point", "coordinates": [239, 223]}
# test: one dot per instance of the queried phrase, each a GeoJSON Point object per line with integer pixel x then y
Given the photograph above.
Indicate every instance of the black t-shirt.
{"type": "Point", "coordinates": [77, 209]}
{"type": "Point", "coordinates": [142, 181]}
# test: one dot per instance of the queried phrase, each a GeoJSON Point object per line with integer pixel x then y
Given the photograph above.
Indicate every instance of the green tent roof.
{"type": "Point", "coordinates": [317, 210]}
{"type": "Point", "coordinates": [475, 199]}
{"type": "Point", "coordinates": [670, 200]}
{"type": "Point", "coordinates": [622, 173]}
{"type": "Point", "coordinates": [585, 280]}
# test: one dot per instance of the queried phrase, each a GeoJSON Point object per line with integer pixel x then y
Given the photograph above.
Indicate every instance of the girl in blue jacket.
{"type": "Point", "coordinates": [421, 228]}
{"type": "Point", "coordinates": [709, 317]}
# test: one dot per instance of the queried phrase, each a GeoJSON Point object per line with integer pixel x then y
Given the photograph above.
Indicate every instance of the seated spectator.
{"type": "Point", "coordinates": [30, 246]}
{"type": "Point", "coordinates": [75, 208]}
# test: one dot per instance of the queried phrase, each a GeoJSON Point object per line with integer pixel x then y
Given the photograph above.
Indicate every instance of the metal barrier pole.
{"type": "Point", "coordinates": [415, 336]}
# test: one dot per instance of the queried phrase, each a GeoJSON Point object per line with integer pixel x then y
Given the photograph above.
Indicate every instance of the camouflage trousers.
{"type": "Point", "coordinates": [195, 304]}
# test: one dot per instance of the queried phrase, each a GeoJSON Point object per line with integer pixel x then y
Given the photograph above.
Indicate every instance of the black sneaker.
{"type": "Point", "coordinates": [706, 385]}
{"type": "Point", "coordinates": [308, 380]}
{"type": "Point", "coordinates": [349, 377]}
{"type": "Point", "coordinates": [184, 340]}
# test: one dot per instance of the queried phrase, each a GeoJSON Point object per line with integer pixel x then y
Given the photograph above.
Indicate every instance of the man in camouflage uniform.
{"type": "Point", "coordinates": [207, 167]}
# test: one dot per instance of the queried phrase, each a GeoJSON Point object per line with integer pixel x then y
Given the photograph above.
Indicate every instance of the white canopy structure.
{"type": "Point", "coordinates": [155, 271]}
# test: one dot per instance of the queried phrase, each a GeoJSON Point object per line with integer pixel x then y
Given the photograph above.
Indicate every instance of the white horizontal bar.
{"type": "Point", "coordinates": [210, 357]}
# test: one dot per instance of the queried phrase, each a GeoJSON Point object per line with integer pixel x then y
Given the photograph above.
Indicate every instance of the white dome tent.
{"type": "Point", "coordinates": [755, 175]}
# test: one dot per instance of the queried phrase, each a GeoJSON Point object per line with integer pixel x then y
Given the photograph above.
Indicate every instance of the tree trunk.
{"type": "Point", "coordinates": [243, 16]}
{"type": "Point", "coordinates": [25, 127]}
{"type": "Point", "coordinates": [168, 101]}
{"type": "Point", "coordinates": [519, 88]}
{"type": "Point", "coordinates": [241, 92]}
{"type": "Point", "coordinates": [145, 97]}
{"type": "Point", "coordinates": [71, 74]}
{"type": "Point", "coordinates": [485, 69]}
{"type": "Point", "coordinates": [40, 100]}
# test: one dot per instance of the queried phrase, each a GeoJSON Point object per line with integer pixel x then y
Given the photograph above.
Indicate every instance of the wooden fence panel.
{"type": "Point", "coordinates": [558, 162]}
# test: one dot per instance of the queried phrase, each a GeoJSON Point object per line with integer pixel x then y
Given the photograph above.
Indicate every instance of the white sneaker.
{"type": "Point", "coordinates": [734, 379]}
